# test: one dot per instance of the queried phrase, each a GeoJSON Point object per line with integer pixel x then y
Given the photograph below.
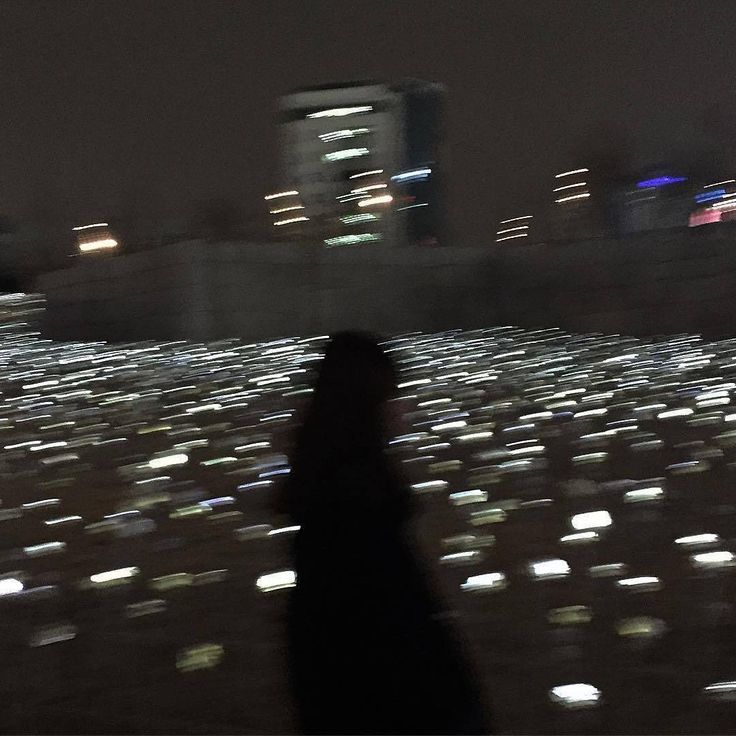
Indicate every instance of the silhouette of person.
{"type": "Point", "coordinates": [367, 654]}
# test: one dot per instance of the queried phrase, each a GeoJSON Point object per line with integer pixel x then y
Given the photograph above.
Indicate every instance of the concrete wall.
{"type": "Point", "coordinates": [659, 282]}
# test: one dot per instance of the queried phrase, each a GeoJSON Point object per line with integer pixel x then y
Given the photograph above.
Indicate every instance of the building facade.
{"type": "Point", "coordinates": [363, 161]}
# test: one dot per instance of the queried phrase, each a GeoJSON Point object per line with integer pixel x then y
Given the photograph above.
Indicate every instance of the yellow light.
{"type": "Point", "coordinates": [383, 199]}
{"type": "Point", "coordinates": [104, 244]}
{"type": "Point", "coordinates": [290, 220]}
{"type": "Point", "coordinates": [290, 193]}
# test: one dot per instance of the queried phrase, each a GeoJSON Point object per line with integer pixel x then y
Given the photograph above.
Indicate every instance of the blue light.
{"type": "Point", "coordinates": [660, 181]}
{"type": "Point", "coordinates": [414, 175]}
{"type": "Point", "coordinates": [710, 196]}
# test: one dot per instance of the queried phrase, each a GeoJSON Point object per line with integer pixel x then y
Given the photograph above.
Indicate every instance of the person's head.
{"type": "Point", "coordinates": [348, 419]}
{"type": "Point", "coordinates": [355, 381]}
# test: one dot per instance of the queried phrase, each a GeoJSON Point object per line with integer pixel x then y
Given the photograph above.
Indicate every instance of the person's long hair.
{"type": "Point", "coordinates": [345, 421]}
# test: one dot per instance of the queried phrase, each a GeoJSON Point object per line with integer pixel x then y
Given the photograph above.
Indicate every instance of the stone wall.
{"type": "Point", "coordinates": [663, 282]}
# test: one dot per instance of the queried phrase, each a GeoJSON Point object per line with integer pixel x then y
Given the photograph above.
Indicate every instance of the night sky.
{"type": "Point", "coordinates": [108, 105]}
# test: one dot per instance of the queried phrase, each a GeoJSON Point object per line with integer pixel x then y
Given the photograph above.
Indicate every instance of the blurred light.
{"type": "Point", "coordinates": [287, 209]}
{"type": "Point", "coordinates": [707, 216]}
{"type": "Point", "coordinates": [337, 135]}
{"type": "Point", "coordinates": [570, 173]}
{"type": "Point", "coordinates": [366, 173]}
{"type": "Point", "coordinates": [200, 657]}
{"type": "Point", "coordinates": [290, 193]}
{"type": "Point", "coordinates": [464, 497]}
{"type": "Point", "coordinates": [353, 239]}
{"type": "Point", "coordinates": [276, 581]}
{"type": "Point", "coordinates": [515, 219]}
{"type": "Point", "coordinates": [698, 539]}
{"type": "Point", "coordinates": [710, 196]}
{"type": "Point", "coordinates": [168, 461]}
{"type": "Point", "coordinates": [413, 175]}
{"type": "Point", "coordinates": [352, 219]}
{"type": "Point", "coordinates": [381, 199]}
{"type": "Point", "coordinates": [643, 494]}
{"type": "Point", "coordinates": [555, 568]}
{"type": "Point", "coordinates": [576, 695]}
{"type": "Point", "coordinates": [104, 244]}
{"type": "Point", "coordinates": [512, 229]}
{"type": "Point", "coordinates": [290, 220]}
{"type": "Point", "coordinates": [345, 153]}
{"type": "Point", "coordinates": [569, 186]}
{"type": "Point", "coordinates": [338, 112]}
{"type": "Point", "coordinates": [412, 206]}
{"type": "Point", "coordinates": [8, 586]}
{"type": "Point", "coordinates": [660, 181]}
{"type": "Point", "coordinates": [122, 573]}
{"type": "Point", "coordinates": [720, 558]}
{"type": "Point", "coordinates": [486, 581]}
{"type": "Point", "coordinates": [646, 582]}
{"type": "Point", "coordinates": [720, 183]}
{"type": "Point", "coordinates": [579, 538]}
{"type": "Point", "coordinates": [591, 520]}
{"type": "Point", "coordinates": [86, 227]}
{"type": "Point", "coordinates": [573, 196]}
{"type": "Point", "coordinates": [511, 237]}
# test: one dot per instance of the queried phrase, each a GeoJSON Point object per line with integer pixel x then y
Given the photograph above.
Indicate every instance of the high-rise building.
{"type": "Point", "coordinates": [364, 159]}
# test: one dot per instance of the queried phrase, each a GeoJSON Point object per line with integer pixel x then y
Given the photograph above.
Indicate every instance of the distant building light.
{"type": "Point", "coordinates": [411, 206]}
{"type": "Point", "coordinates": [290, 220]}
{"type": "Point", "coordinates": [337, 135]}
{"type": "Point", "coordinates": [361, 190]}
{"type": "Point", "coordinates": [511, 237]}
{"type": "Point", "coordinates": [363, 217]}
{"type": "Point", "coordinates": [414, 175]}
{"type": "Point", "coordinates": [704, 217]}
{"type": "Point", "coordinates": [366, 173]}
{"type": "Point", "coordinates": [383, 199]}
{"type": "Point", "coordinates": [720, 183]}
{"type": "Point", "coordinates": [660, 181]}
{"type": "Point", "coordinates": [350, 197]}
{"type": "Point", "coordinates": [104, 244]}
{"type": "Point", "coordinates": [514, 219]}
{"type": "Point", "coordinates": [353, 239]}
{"type": "Point", "coordinates": [570, 173]}
{"type": "Point", "coordinates": [290, 193]}
{"type": "Point", "coordinates": [569, 186]}
{"type": "Point", "coordinates": [86, 227]}
{"type": "Point", "coordinates": [512, 229]}
{"type": "Point", "coordinates": [287, 209]}
{"type": "Point", "coordinates": [710, 196]}
{"type": "Point", "coordinates": [339, 112]}
{"type": "Point", "coordinates": [573, 196]}
{"type": "Point", "coordinates": [345, 153]}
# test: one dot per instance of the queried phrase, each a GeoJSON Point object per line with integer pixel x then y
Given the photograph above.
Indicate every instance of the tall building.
{"type": "Point", "coordinates": [363, 159]}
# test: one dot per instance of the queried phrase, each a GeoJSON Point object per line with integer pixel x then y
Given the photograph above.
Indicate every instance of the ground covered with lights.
{"type": "Point", "coordinates": [577, 514]}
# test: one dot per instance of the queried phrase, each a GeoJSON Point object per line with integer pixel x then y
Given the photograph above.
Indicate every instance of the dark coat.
{"type": "Point", "coordinates": [367, 652]}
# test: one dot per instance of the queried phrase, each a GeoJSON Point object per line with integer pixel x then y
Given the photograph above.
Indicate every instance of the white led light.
{"type": "Point", "coordinates": [553, 568]}
{"type": "Point", "coordinates": [108, 576]}
{"type": "Point", "coordinates": [276, 581]}
{"type": "Point", "coordinates": [486, 581]}
{"type": "Point", "coordinates": [576, 695]}
{"type": "Point", "coordinates": [591, 520]}
{"type": "Point", "coordinates": [167, 461]}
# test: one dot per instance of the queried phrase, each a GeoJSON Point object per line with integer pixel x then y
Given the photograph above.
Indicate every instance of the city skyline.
{"type": "Point", "coordinates": [133, 106]}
